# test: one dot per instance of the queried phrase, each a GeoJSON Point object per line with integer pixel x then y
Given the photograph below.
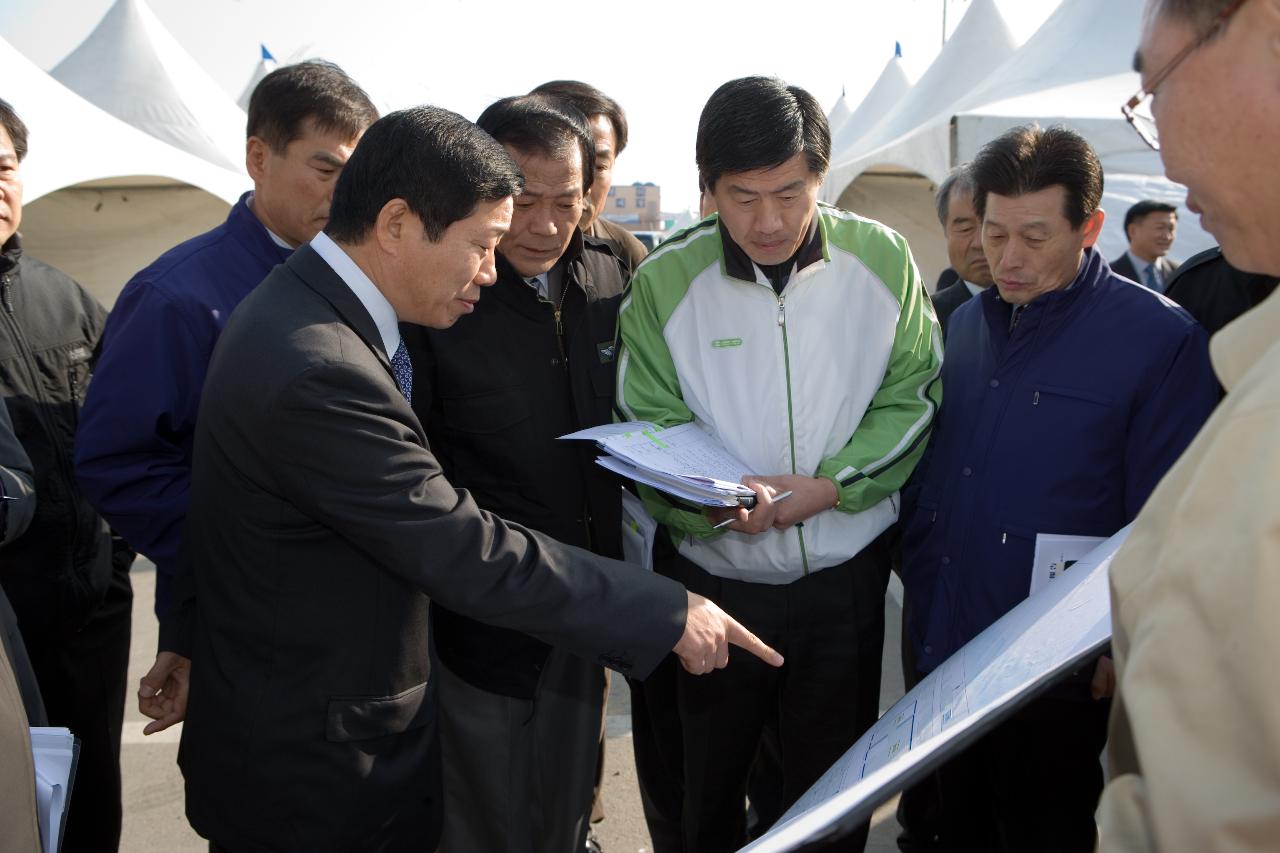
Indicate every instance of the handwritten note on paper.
{"type": "Point", "coordinates": [684, 454]}
{"type": "Point", "coordinates": [683, 450]}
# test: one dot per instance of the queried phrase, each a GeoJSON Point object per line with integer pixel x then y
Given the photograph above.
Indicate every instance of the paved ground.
{"type": "Point", "coordinates": [153, 811]}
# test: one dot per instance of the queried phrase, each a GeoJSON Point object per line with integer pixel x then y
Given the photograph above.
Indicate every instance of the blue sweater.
{"type": "Point", "coordinates": [133, 445]}
{"type": "Point", "coordinates": [1063, 425]}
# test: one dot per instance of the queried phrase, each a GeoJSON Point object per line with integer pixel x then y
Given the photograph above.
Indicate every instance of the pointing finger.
{"type": "Point", "coordinates": [744, 639]}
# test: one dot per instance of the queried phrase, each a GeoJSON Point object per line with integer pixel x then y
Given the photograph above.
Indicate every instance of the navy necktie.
{"type": "Point", "coordinates": [1153, 281]}
{"type": "Point", "coordinates": [402, 367]}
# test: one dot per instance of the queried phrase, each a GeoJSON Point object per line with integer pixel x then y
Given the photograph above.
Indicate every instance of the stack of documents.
{"type": "Point", "coordinates": [682, 461]}
{"type": "Point", "coordinates": [55, 752]}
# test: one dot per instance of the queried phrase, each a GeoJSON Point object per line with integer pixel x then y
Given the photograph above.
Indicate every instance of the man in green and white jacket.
{"type": "Point", "coordinates": [801, 337]}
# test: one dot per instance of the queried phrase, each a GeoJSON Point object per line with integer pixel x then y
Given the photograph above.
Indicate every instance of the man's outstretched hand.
{"type": "Point", "coordinates": [162, 694]}
{"type": "Point", "coordinates": [708, 633]}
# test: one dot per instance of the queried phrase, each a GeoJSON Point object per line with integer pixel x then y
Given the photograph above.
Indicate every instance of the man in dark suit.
{"type": "Point", "coordinates": [320, 521]}
{"type": "Point", "coordinates": [963, 230]}
{"type": "Point", "coordinates": [1150, 227]}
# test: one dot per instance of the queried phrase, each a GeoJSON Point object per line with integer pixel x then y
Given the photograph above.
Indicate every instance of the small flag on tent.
{"type": "Point", "coordinates": [897, 49]}
{"type": "Point", "coordinates": [266, 54]}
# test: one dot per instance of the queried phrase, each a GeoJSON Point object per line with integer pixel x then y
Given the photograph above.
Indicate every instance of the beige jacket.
{"type": "Point", "coordinates": [19, 832]}
{"type": "Point", "coordinates": [1195, 595]}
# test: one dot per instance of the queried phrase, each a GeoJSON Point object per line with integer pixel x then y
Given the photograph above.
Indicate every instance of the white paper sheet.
{"type": "Point", "coordinates": [682, 457]}
{"type": "Point", "coordinates": [638, 530]}
{"type": "Point", "coordinates": [53, 750]}
{"type": "Point", "coordinates": [1055, 553]}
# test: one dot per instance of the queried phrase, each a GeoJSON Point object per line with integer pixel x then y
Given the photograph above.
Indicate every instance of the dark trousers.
{"type": "Point", "coordinates": [829, 626]}
{"type": "Point", "coordinates": [655, 731]}
{"type": "Point", "coordinates": [1031, 784]}
{"type": "Point", "coordinates": [518, 773]}
{"type": "Point", "coordinates": [82, 680]}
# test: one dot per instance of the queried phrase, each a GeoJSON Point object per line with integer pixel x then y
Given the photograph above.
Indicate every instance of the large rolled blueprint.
{"type": "Point", "coordinates": [1004, 667]}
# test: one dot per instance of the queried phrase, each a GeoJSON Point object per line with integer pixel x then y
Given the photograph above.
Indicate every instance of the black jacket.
{"type": "Point", "coordinates": [494, 392]}
{"type": "Point", "coordinates": [58, 571]}
{"type": "Point", "coordinates": [1214, 292]}
{"type": "Point", "coordinates": [947, 300]}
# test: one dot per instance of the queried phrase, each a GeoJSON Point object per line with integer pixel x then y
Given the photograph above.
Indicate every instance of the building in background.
{"type": "Point", "coordinates": [637, 207]}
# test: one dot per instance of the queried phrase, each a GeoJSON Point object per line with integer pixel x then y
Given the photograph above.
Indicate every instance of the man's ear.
{"type": "Point", "coordinates": [256, 152]}
{"type": "Point", "coordinates": [392, 225]}
{"type": "Point", "coordinates": [1093, 227]}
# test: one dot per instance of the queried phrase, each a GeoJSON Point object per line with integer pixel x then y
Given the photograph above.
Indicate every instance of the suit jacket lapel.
{"type": "Point", "coordinates": [320, 277]}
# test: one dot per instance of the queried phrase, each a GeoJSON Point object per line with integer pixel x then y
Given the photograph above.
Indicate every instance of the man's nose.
{"type": "Point", "coordinates": [1012, 256]}
{"type": "Point", "coordinates": [488, 272]}
{"type": "Point", "coordinates": [544, 224]}
{"type": "Point", "coordinates": [769, 217]}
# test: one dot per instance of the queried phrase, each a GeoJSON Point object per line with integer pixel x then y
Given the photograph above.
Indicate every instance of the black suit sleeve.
{"type": "Point", "coordinates": [347, 453]}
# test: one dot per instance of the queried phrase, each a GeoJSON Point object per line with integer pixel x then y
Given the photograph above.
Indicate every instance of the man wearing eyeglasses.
{"type": "Point", "coordinates": [1197, 719]}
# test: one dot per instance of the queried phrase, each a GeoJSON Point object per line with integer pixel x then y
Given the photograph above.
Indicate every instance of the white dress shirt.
{"type": "Point", "coordinates": [364, 289]}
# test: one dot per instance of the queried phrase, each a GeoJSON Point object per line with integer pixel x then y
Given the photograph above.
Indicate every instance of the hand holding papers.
{"type": "Point", "coordinates": [731, 519]}
{"type": "Point", "coordinates": [683, 461]}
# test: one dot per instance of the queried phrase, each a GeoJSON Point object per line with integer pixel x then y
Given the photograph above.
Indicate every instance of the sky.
{"type": "Point", "coordinates": [659, 63]}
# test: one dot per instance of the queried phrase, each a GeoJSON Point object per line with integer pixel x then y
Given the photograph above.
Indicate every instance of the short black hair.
{"type": "Point", "coordinates": [1029, 159]}
{"type": "Point", "coordinates": [316, 91]}
{"type": "Point", "coordinates": [542, 124]}
{"type": "Point", "coordinates": [759, 123]}
{"type": "Point", "coordinates": [442, 165]}
{"type": "Point", "coordinates": [1143, 208]}
{"type": "Point", "coordinates": [958, 179]}
{"type": "Point", "coordinates": [590, 101]}
{"type": "Point", "coordinates": [15, 127]}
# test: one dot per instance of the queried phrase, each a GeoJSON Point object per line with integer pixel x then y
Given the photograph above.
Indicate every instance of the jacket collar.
{"type": "Point", "coordinates": [514, 289]}
{"type": "Point", "coordinates": [737, 264]}
{"type": "Point", "coordinates": [10, 253]}
{"type": "Point", "coordinates": [307, 264]}
{"type": "Point", "coordinates": [1092, 273]}
{"type": "Point", "coordinates": [252, 233]}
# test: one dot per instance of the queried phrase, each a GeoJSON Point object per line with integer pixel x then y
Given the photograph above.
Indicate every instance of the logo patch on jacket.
{"type": "Point", "coordinates": [606, 350]}
{"type": "Point", "coordinates": [723, 343]}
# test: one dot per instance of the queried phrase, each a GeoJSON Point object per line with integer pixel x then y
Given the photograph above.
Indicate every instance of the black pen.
{"type": "Point", "coordinates": [778, 497]}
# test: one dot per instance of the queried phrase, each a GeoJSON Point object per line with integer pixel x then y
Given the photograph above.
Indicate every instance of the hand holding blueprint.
{"type": "Point", "coordinates": [681, 460]}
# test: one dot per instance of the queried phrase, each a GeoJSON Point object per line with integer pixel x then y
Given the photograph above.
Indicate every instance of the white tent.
{"type": "Point", "coordinates": [1073, 71]}
{"type": "Point", "coordinates": [133, 68]}
{"type": "Point", "coordinates": [886, 170]}
{"type": "Point", "coordinates": [266, 64]}
{"type": "Point", "coordinates": [888, 91]}
{"type": "Point", "coordinates": [915, 134]}
{"type": "Point", "coordinates": [103, 199]}
{"type": "Point", "coordinates": [839, 113]}
{"type": "Point", "coordinates": [1077, 71]}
